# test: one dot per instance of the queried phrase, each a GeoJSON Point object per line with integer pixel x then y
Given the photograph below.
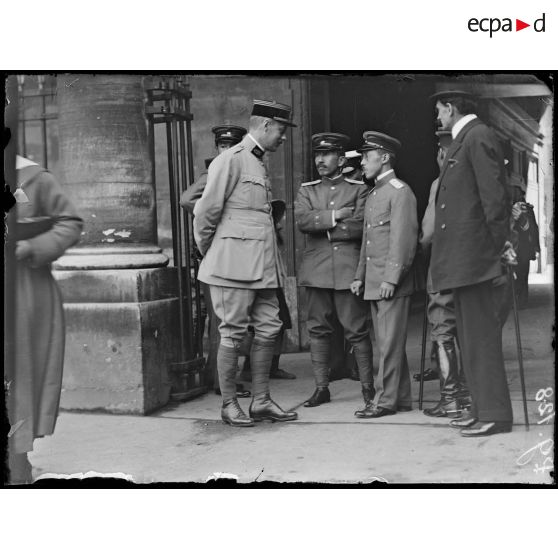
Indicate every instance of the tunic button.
{"type": "Point", "coordinates": [367, 242]}
{"type": "Point", "coordinates": [333, 187]}
{"type": "Point", "coordinates": [367, 257]}
{"type": "Point", "coordinates": [373, 193]}
{"type": "Point", "coordinates": [381, 222]}
{"type": "Point", "coordinates": [335, 247]}
{"type": "Point", "coordinates": [443, 226]}
{"type": "Point", "coordinates": [368, 226]}
{"type": "Point", "coordinates": [443, 206]}
{"type": "Point", "coordinates": [331, 203]}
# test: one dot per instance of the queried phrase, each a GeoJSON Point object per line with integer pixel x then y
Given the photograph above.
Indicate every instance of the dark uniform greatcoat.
{"type": "Point", "coordinates": [40, 330]}
{"type": "Point", "coordinates": [332, 249]}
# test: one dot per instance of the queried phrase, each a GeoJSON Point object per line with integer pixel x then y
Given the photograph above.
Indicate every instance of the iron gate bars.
{"type": "Point", "coordinates": [42, 92]}
{"type": "Point", "coordinates": [168, 102]}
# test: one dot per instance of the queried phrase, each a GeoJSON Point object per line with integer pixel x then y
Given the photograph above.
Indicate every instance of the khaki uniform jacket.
{"type": "Point", "coordinates": [390, 238]}
{"type": "Point", "coordinates": [233, 226]}
{"type": "Point", "coordinates": [332, 249]}
{"type": "Point", "coordinates": [472, 211]}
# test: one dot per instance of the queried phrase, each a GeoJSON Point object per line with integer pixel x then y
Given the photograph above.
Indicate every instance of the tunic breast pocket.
{"type": "Point", "coordinates": [381, 219]}
{"type": "Point", "coordinates": [255, 189]}
{"type": "Point", "coordinates": [239, 251]}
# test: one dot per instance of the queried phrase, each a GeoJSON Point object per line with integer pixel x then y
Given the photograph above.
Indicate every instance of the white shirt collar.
{"type": "Point", "coordinates": [380, 176]}
{"type": "Point", "coordinates": [460, 124]}
{"type": "Point", "coordinates": [255, 141]}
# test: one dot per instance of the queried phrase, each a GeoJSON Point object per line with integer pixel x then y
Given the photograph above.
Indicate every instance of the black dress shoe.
{"type": "Point", "coordinates": [374, 412]}
{"type": "Point", "coordinates": [463, 422]}
{"type": "Point", "coordinates": [231, 413]}
{"type": "Point", "coordinates": [445, 409]}
{"type": "Point", "coordinates": [281, 374]}
{"type": "Point", "coordinates": [267, 409]}
{"type": "Point", "coordinates": [321, 395]}
{"type": "Point", "coordinates": [481, 428]}
{"type": "Point", "coordinates": [429, 374]}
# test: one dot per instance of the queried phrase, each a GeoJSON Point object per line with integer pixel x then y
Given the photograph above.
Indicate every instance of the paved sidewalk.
{"type": "Point", "coordinates": [188, 442]}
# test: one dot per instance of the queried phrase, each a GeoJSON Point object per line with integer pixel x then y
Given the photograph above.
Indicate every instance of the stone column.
{"type": "Point", "coordinates": [120, 299]}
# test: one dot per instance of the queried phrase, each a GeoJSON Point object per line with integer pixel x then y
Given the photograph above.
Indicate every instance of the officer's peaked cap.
{"type": "Point", "coordinates": [330, 141]}
{"type": "Point", "coordinates": [378, 140]}
{"type": "Point", "coordinates": [226, 132]}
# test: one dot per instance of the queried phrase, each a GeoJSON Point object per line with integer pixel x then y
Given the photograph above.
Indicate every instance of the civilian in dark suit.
{"type": "Point", "coordinates": [471, 233]}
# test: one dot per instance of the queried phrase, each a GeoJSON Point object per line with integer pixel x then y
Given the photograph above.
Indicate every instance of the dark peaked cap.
{"type": "Point", "coordinates": [378, 140]}
{"type": "Point", "coordinates": [330, 141]}
{"type": "Point", "coordinates": [452, 93]}
{"type": "Point", "coordinates": [270, 109]}
{"type": "Point", "coordinates": [227, 132]}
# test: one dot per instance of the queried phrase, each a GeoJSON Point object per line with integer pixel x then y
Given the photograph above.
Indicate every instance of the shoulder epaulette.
{"type": "Point", "coordinates": [237, 148]}
{"type": "Point", "coordinates": [311, 183]}
{"type": "Point", "coordinates": [396, 183]}
{"type": "Point", "coordinates": [353, 181]}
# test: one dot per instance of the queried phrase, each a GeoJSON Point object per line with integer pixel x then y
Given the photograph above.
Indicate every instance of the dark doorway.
{"type": "Point", "coordinates": [397, 105]}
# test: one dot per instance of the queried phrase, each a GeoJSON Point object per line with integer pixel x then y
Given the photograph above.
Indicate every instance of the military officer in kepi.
{"type": "Point", "coordinates": [226, 135]}
{"type": "Point", "coordinates": [385, 273]}
{"type": "Point", "coordinates": [234, 231]}
{"type": "Point", "coordinates": [330, 211]}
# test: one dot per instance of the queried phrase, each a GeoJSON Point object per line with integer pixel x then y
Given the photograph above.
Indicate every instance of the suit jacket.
{"type": "Point", "coordinates": [233, 225]}
{"type": "Point", "coordinates": [332, 248]}
{"type": "Point", "coordinates": [390, 238]}
{"type": "Point", "coordinates": [472, 211]}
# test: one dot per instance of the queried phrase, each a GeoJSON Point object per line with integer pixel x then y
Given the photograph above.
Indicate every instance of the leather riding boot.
{"type": "Point", "coordinates": [362, 352]}
{"type": "Point", "coordinates": [368, 393]}
{"type": "Point", "coordinates": [264, 408]}
{"type": "Point", "coordinates": [260, 363]}
{"type": "Point", "coordinates": [449, 405]}
{"type": "Point", "coordinates": [320, 349]}
{"type": "Point", "coordinates": [227, 365]}
{"type": "Point", "coordinates": [232, 413]}
{"type": "Point", "coordinates": [320, 395]}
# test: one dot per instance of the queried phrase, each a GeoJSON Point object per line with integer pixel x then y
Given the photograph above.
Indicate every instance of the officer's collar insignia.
{"type": "Point", "coordinates": [396, 183]}
{"type": "Point", "coordinates": [259, 153]}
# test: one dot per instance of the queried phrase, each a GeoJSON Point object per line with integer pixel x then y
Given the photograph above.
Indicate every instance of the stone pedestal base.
{"type": "Point", "coordinates": [121, 335]}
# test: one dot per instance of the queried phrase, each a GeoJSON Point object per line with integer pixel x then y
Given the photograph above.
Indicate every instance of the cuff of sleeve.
{"type": "Point", "coordinates": [393, 273]}
{"type": "Point", "coordinates": [333, 221]}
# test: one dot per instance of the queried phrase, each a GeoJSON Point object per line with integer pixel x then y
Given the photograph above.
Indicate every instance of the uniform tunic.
{"type": "Point", "coordinates": [234, 230]}
{"type": "Point", "coordinates": [40, 316]}
{"type": "Point", "coordinates": [390, 238]}
{"type": "Point", "coordinates": [332, 249]}
{"type": "Point", "coordinates": [233, 226]}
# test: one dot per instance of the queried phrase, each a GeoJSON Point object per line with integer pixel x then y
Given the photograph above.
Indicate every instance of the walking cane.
{"type": "Point", "coordinates": [423, 351]}
{"type": "Point", "coordinates": [519, 349]}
